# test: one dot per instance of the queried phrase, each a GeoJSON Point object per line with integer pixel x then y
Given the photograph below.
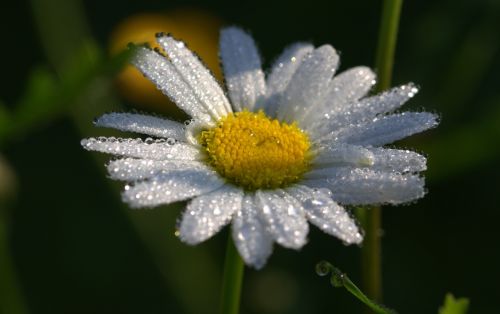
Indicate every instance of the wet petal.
{"type": "Point", "coordinates": [284, 217]}
{"type": "Point", "coordinates": [361, 186]}
{"type": "Point", "coordinates": [282, 72]}
{"type": "Point", "coordinates": [165, 76]}
{"type": "Point", "coordinates": [131, 169]}
{"type": "Point", "coordinates": [207, 214]}
{"type": "Point", "coordinates": [363, 110]}
{"type": "Point", "coordinates": [242, 68]}
{"type": "Point", "coordinates": [171, 187]}
{"type": "Point", "coordinates": [253, 241]}
{"type": "Point", "coordinates": [384, 130]}
{"type": "Point", "coordinates": [327, 215]}
{"type": "Point", "coordinates": [345, 88]}
{"type": "Point", "coordinates": [343, 155]}
{"type": "Point", "coordinates": [397, 160]}
{"type": "Point", "coordinates": [144, 124]}
{"type": "Point", "coordinates": [196, 75]}
{"type": "Point", "coordinates": [308, 84]}
{"type": "Point", "coordinates": [148, 149]}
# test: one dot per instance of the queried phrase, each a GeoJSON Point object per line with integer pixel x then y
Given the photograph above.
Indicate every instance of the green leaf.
{"type": "Point", "coordinates": [48, 95]}
{"type": "Point", "coordinates": [338, 280]}
{"type": "Point", "coordinates": [36, 102]}
{"type": "Point", "coordinates": [454, 306]}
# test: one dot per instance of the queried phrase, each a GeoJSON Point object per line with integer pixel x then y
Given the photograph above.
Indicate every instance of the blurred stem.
{"type": "Point", "coordinates": [372, 218]}
{"type": "Point", "coordinates": [387, 36]}
{"type": "Point", "coordinates": [233, 277]}
{"type": "Point", "coordinates": [11, 299]}
{"type": "Point", "coordinates": [371, 268]}
{"type": "Point", "coordinates": [62, 27]}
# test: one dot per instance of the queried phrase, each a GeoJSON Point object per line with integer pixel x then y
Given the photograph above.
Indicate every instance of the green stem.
{"type": "Point", "coordinates": [372, 218]}
{"type": "Point", "coordinates": [11, 298]}
{"type": "Point", "coordinates": [62, 29]}
{"type": "Point", "coordinates": [338, 279]}
{"type": "Point", "coordinates": [371, 252]}
{"type": "Point", "coordinates": [233, 277]}
{"type": "Point", "coordinates": [387, 43]}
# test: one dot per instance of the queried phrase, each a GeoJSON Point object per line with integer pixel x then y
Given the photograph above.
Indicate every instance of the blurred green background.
{"type": "Point", "coordinates": [76, 249]}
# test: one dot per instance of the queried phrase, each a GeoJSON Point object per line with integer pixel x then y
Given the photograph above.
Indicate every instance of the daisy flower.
{"type": "Point", "coordinates": [272, 151]}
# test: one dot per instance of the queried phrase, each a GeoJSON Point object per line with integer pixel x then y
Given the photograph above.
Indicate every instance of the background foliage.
{"type": "Point", "coordinates": [77, 249]}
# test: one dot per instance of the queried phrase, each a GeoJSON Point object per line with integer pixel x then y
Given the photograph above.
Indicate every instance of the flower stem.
{"type": "Point", "coordinates": [233, 277]}
{"type": "Point", "coordinates": [371, 219]}
{"type": "Point", "coordinates": [371, 252]}
{"type": "Point", "coordinates": [11, 298]}
{"type": "Point", "coordinates": [388, 32]}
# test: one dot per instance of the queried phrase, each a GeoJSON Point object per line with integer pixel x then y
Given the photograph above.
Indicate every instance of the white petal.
{"type": "Point", "coordinates": [168, 80]}
{"type": "Point", "coordinates": [207, 214]}
{"type": "Point", "coordinates": [362, 186]}
{"type": "Point", "coordinates": [343, 155]}
{"type": "Point", "coordinates": [284, 217]}
{"type": "Point", "coordinates": [345, 88]}
{"type": "Point", "coordinates": [131, 169]}
{"type": "Point", "coordinates": [360, 111]}
{"type": "Point", "coordinates": [253, 241]}
{"type": "Point", "coordinates": [242, 68]}
{"type": "Point", "coordinates": [327, 215]}
{"type": "Point", "coordinates": [143, 124]}
{"type": "Point", "coordinates": [189, 66]}
{"type": "Point", "coordinates": [397, 160]}
{"type": "Point", "coordinates": [171, 187]}
{"type": "Point", "coordinates": [148, 149]}
{"type": "Point", "coordinates": [308, 84]}
{"type": "Point", "coordinates": [384, 130]}
{"type": "Point", "coordinates": [325, 172]}
{"type": "Point", "coordinates": [281, 73]}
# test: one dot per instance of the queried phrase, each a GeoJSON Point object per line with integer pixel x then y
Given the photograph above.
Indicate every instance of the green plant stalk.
{"type": "Point", "coordinates": [372, 218]}
{"type": "Point", "coordinates": [354, 290]}
{"type": "Point", "coordinates": [233, 277]}
{"type": "Point", "coordinates": [386, 46]}
{"type": "Point", "coordinates": [11, 298]}
{"type": "Point", "coordinates": [60, 42]}
{"type": "Point", "coordinates": [340, 280]}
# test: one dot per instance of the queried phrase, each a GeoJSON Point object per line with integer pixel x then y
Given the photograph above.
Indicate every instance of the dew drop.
{"type": "Point", "coordinates": [323, 268]}
{"type": "Point", "coordinates": [337, 279]}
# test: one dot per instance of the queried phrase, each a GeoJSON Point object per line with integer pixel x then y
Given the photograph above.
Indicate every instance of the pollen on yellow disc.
{"type": "Point", "coordinates": [199, 29]}
{"type": "Point", "coordinates": [253, 151]}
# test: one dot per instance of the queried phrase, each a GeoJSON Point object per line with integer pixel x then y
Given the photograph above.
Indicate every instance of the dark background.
{"type": "Point", "coordinates": [77, 249]}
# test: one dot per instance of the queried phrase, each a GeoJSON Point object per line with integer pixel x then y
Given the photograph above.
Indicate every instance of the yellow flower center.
{"type": "Point", "coordinates": [255, 152]}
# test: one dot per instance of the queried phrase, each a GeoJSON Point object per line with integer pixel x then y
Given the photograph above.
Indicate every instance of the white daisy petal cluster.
{"type": "Point", "coordinates": [272, 151]}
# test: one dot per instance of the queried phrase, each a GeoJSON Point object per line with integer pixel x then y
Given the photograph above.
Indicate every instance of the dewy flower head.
{"type": "Point", "coordinates": [294, 146]}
